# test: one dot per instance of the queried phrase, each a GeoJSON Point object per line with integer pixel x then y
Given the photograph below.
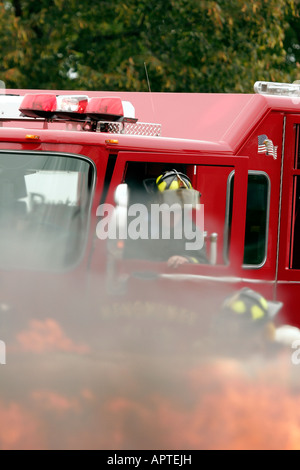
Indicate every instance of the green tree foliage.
{"type": "Point", "coordinates": [183, 45]}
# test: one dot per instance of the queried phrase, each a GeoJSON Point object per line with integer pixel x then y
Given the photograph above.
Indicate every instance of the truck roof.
{"type": "Point", "coordinates": [224, 119]}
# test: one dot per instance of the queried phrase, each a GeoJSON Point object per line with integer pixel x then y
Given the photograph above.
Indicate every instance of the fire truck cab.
{"type": "Point", "coordinates": [65, 154]}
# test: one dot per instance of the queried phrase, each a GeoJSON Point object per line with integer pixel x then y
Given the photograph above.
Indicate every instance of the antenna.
{"type": "Point", "coordinates": [148, 81]}
{"type": "Point", "coordinates": [147, 77]}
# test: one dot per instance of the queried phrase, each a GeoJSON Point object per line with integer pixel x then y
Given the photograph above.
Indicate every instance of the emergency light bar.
{"type": "Point", "coordinates": [279, 89]}
{"type": "Point", "coordinates": [98, 114]}
{"type": "Point", "coordinates": [77, 107]}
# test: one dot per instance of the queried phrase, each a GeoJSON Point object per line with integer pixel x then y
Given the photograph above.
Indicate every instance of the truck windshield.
{"type": "Point", "coordinates": [44, 207]}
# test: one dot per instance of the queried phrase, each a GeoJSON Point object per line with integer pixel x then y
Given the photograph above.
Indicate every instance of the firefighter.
{"type": "Point", "coordinates": [170, 188]}
{"type": "Point", "coordinates": [176, 181]}
{"type": "Point", "coordinates": [246, 324]}
{"type": "Point", "coordinates": [247, 310]}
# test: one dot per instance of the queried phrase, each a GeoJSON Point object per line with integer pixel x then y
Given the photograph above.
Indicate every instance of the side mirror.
{"type": "Point", "coordinates": [119, 221]}
{"type": "Point", "coordinates": [121, 196]}
{"type": "Point", "coordinates": [115, 246]}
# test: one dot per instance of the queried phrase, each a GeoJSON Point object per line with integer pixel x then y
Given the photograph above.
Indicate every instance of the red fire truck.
{"type": "Point", "coordinates": [62, 154]}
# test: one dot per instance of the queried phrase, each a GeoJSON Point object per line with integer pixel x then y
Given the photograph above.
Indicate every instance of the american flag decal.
{"type": "Point", "coordinates": [266, 146]}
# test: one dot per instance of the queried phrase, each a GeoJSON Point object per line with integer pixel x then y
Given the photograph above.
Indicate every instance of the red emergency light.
{"type": "Point", "coordinates": [108, 108]}
{"type": "Point", "coordinates": [41, 105]}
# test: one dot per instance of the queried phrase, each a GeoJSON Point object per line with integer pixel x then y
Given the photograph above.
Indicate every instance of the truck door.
{"type": "Point", "coordinates": [211, 176]}
{"type": "Point", "coordinates": [288, 282]}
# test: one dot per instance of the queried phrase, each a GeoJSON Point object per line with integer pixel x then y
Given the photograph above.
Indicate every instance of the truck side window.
{"type": "Point", "coordinates": [257, 218]}
{"type": "Point", "coordinates": [295, 248]}
{"type": "Point", "coordinates": [294, 262]}
{"type": "Point", "coordinates": [297, 148]}
{"type": "Point", "coordinates": [209, 180]}
{"type": "Point", "coordinates": [160, 235]}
